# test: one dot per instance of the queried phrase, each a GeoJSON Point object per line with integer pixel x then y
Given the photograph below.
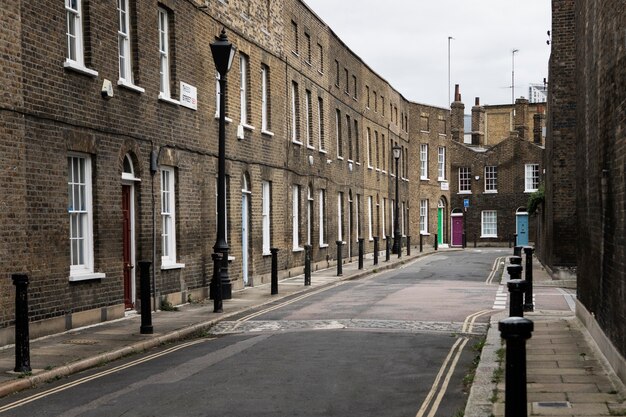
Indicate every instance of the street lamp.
{"type": "Point", "coordinates": [223, 53]}
{"type": "Point", "coordinates": [397, 150]}
{"type": "Point", "coordinates": [513, 75]}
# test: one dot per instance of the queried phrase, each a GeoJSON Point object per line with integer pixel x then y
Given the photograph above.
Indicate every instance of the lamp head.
{"type": "Point", "coordinates": [223, 53]}
{"type": "Point", "coordinates": [396, 151]}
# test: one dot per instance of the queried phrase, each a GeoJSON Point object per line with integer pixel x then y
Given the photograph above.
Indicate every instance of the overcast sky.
{"type": "Point", "coordinates": [406, 42]}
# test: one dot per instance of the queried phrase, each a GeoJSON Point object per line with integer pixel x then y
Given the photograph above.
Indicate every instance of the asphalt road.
{"type": "Point", "coordinates": [396, 343]}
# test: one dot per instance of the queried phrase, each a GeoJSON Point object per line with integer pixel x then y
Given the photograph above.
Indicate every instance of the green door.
{"type": "Point", "coordinates": [440, 225]}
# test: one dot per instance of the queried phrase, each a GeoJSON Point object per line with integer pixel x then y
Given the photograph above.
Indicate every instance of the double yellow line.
{"type": "Point", "coordinates": [97, 376]}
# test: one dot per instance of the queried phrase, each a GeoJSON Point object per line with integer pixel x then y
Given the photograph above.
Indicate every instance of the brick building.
{"type": "Point", "coordinates": [596, 88]}
{"type": "Point", "coordinates": [108, 130]}
{"type": "Point", "coordinates": [493, 176]}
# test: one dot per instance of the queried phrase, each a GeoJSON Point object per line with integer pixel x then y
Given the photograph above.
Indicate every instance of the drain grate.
{"type": "Point", "coordinates": [80, 342]}
{"type": "Point", "coordinates": [552, 404]}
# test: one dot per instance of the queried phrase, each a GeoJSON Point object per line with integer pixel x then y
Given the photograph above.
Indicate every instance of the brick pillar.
{"type": "Point", "coordinates": [457, 110]}
{"type": "Point", "coordinates": [478, 123]}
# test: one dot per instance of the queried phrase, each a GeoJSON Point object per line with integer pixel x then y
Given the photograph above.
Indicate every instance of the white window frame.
{"type": "Point", "coordinates": [294, 113]}
{"type": "Point", "coordinates": [265, 122]}
{"type": "Point", "coordinates": [309, 215]}
{"type": "Point", "coordinates": [369, 148]}
{"type": "Point", "coordinates": [424, 216]}
{"type": "Point", "coordinates": [338, 134]}
{"type": "Point", "coordinates": [320, 124]}
{"type": "Point", "coordinates": [356, 216]}
{"type": "Point", "coordinates": [295, 217]}
{"type": "Point", "coordinates": [164, 56]}
{"type": "Point", "coordinates": [392, 214]}
{"type": "Point", "coordinates": [322, 217]}
{"type": "Point", "coordinates": [424, 161]}
{"type": "Point", "coordinates": [489, 223]}
{"type": "Point", "coordinates": [266, 190]}
{"type": "Point", "coordinates": [75, 58]}
{"type": "Point", "coordinates": [124, 46]}
{"type": "Point", "coordinates": [80, 218]}
{"type": "Point", "coordinates": [168, 218]}
{"type": "Point", "coordinates": [384, 219]}
{"type": "Point", "coordinates": [531, 178]}
{"type": "Point", "coordinates": [441, 163]}
{"type": "Point", "coordinates": [243, 89]}
{"type": "Point", "coordinates": [465, 180]}
{"type": "Point", "coordinates": [340, 216]}
{"type": "Point", "coordinates": [308, 114]}
{"type": "Point", "coordinates": [370, 218]}
{"type": "Point", "coordinates": [491, 179]}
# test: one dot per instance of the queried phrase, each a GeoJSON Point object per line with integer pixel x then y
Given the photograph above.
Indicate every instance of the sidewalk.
{"type": "Point", "coordinates": [566, 374]}
{"type": "Point", "coordinates": [63, 354]}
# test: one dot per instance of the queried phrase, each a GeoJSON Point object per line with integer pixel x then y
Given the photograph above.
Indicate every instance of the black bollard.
{"type": "Point", "coordinates": [22, 339]}
{"type": "Point", "coordinates": [144, 282]}
{"type": "Point", "coordinates": [474, 239]}
{"type": "Point", "coordinates": [421, 243]}
{"type": "Point", "coordinates": [517, 251]}
{"type": "Point", "coordinates": [515, 330]}
{"type": "Point", "coordinates": [376, 249]}
{"type": "Point", "coordinates": [515, 271]}
{"type": "Point", "coordinates": [387, 249]}
{"type": "Point", "coordinates": [515, 260]}
{"type": "Point", "coordinates": [408, 245]}
{"type": "Point", "coordinates": [528, 298]}
{"type": "Point", "coordinates": [274, 289]}
{"type": "Point", "coordinates": [339, 259]}
{"type": "Point", "coordinates": [516, 298]}
{"type": "Point", "coordinates": [216, 283]}
{"type": "Point", "coordinates": [436, 242]}
{"type": "Point", "coordinates": [400, 247]}
{"type": "Point", "coordinates": [361, 252]}
{"type": "Point", "coordinates": [307, 264]}
{"type": "Point", "coordinates": [464, 240]}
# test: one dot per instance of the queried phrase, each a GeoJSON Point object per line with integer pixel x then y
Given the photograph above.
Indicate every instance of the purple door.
{"type": "Point", "coordinates": [457, 231]}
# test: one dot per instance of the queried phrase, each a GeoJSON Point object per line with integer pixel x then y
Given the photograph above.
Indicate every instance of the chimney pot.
{"type": "Point", "coordinates": [477, 101]}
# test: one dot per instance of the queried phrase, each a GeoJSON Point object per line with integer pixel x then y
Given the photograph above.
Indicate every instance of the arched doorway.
{"type": "Point", "coordinates": [457, 227]}
{"type": "Point", "coordinates": [521, 226]}
{"type": "Point", "coordinates": [128, 230]}
{"type": "Point", "coordinates": [245, 226]}
{"type": "Point", "coordinates": [441, 222]}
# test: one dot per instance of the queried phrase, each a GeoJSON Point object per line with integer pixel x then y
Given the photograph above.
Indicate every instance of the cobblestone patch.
{"type": "Point", "coordinates": [252, 326]}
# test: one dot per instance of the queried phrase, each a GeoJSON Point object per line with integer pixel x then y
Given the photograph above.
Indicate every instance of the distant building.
{"type": "Point", "coordinates": [538, 93]}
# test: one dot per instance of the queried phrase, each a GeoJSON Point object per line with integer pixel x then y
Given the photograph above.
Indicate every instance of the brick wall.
{"type": "Point", "coordinates": [600, 159]}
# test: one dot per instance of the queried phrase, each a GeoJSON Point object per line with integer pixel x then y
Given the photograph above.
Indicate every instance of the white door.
{"type": "Point", "coordinates": [244, 237]}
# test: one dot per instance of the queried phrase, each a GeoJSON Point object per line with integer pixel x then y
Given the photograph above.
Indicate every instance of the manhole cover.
{"type": "Point", "coordinates": [80, 342]}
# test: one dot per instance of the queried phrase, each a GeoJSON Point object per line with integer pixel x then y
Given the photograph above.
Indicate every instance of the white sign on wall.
{"type": "Point", "coordinates": [188, 96]}
{"type": "Point", "coordinates": [445, 185]}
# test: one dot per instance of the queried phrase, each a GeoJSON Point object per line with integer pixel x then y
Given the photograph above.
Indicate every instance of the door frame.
{"type": "Point", "coordinates": [519, 213]}
{"type": "Point", "coordinates": [245, 232]}
{"type": "Point", "coordinates": [133, 260]}
{"type": "Point", "coordinates": [453, 215]}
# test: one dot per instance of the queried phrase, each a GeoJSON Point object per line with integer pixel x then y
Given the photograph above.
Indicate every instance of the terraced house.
{"type": "Point", "coordinates": [109, 139]}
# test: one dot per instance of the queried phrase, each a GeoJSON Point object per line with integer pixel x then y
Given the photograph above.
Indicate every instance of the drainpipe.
{"type": "Point", "coordinates": [154, 158]}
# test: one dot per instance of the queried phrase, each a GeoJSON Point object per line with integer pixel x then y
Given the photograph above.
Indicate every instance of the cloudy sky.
{"type": "Point", "coordinates": [406, 42]}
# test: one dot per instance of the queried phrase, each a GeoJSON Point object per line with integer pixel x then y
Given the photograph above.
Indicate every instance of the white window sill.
{"type": "Point", "coordinates": [491, 192]}
{"type": "Point", "coordinates": [308, 63]}
{"type": "Point", "coordinates": [465, 192]}
{"type": "Point", "coordinates": [488, 236]}
{"type": "Point", "coordinates": [168, 100]}
{"type": "Point", "coordinates": [295, 53]}
{"type": "Point", "coordinates": [298, 249]}
{"type": "Point", "coordinates": [323, 151]}
{"type": "Point", "coordinates": [443, 134]}
{"type": "Point", "coordinates": [296, 142]}
{"type": "Point", "coordinates": [424, 178]}
{"type": "Point", "coordinates": [323, 245]}
{"type": "Point", "coordinates": [340, 157]}
{"type": "Point", "coordinates": [424, 233]}
{"type": "Point", "coordinates": [358, 163]}
{"type": "Point", "coordinates": [377, 169]}
{"type": "Point", "coordinates": [267, 133]}
{"type": "Point", "coordinates": [310, 147]}
{"type": "Point", "coordinates": [87, 276]}
{"type": "Point", "coordinates": [247, 126]}
{"type": "Point", "coordinates": [424, 131]}
{"type": "Point", "coordinates": [266, 254]}
{"type": "Point", "coordinates": [226, 119]}
{"type": "Point", "coordinates": [172, 266]}
{"type": "Point", "coordinates": [530, 191]}
{"type": "Point", "coordinates": [320, 72]}
{"type": "Point", "coordinates": [370, 167]}
{"type": "Point", "coordinates": [441, 179]}
{"type": "Point", "coordinates": [133, 87]}
{"type": "Point", "coordinates": [75, 66]}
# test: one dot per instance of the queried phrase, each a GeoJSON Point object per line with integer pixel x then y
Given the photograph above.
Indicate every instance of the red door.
{"type": "Point", "coordinates": [127, 228]}
{"type": "Point", "coordinates": [457, 231]}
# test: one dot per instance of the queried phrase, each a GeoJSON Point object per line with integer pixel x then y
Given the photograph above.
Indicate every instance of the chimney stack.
{"type": "Point", "coordinates": [521, 117]}
{"type": "Point", "coordinates": [478, 123]}
{"type": "Point", "coordinates": [457, 113]}
{"type": "Point", "coordinates": [538, 122]}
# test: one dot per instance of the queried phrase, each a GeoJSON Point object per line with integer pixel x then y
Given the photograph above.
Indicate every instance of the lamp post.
{"type": "Point", "coordinates": [223, 53]}
{"type": "Point", "coordinates": [513, 75]}
{"type": "Point", "coordinates": [396, 227]}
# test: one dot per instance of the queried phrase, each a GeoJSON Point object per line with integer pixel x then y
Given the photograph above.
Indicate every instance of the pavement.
{"type": "Point", "coordinates": [566, 373]}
